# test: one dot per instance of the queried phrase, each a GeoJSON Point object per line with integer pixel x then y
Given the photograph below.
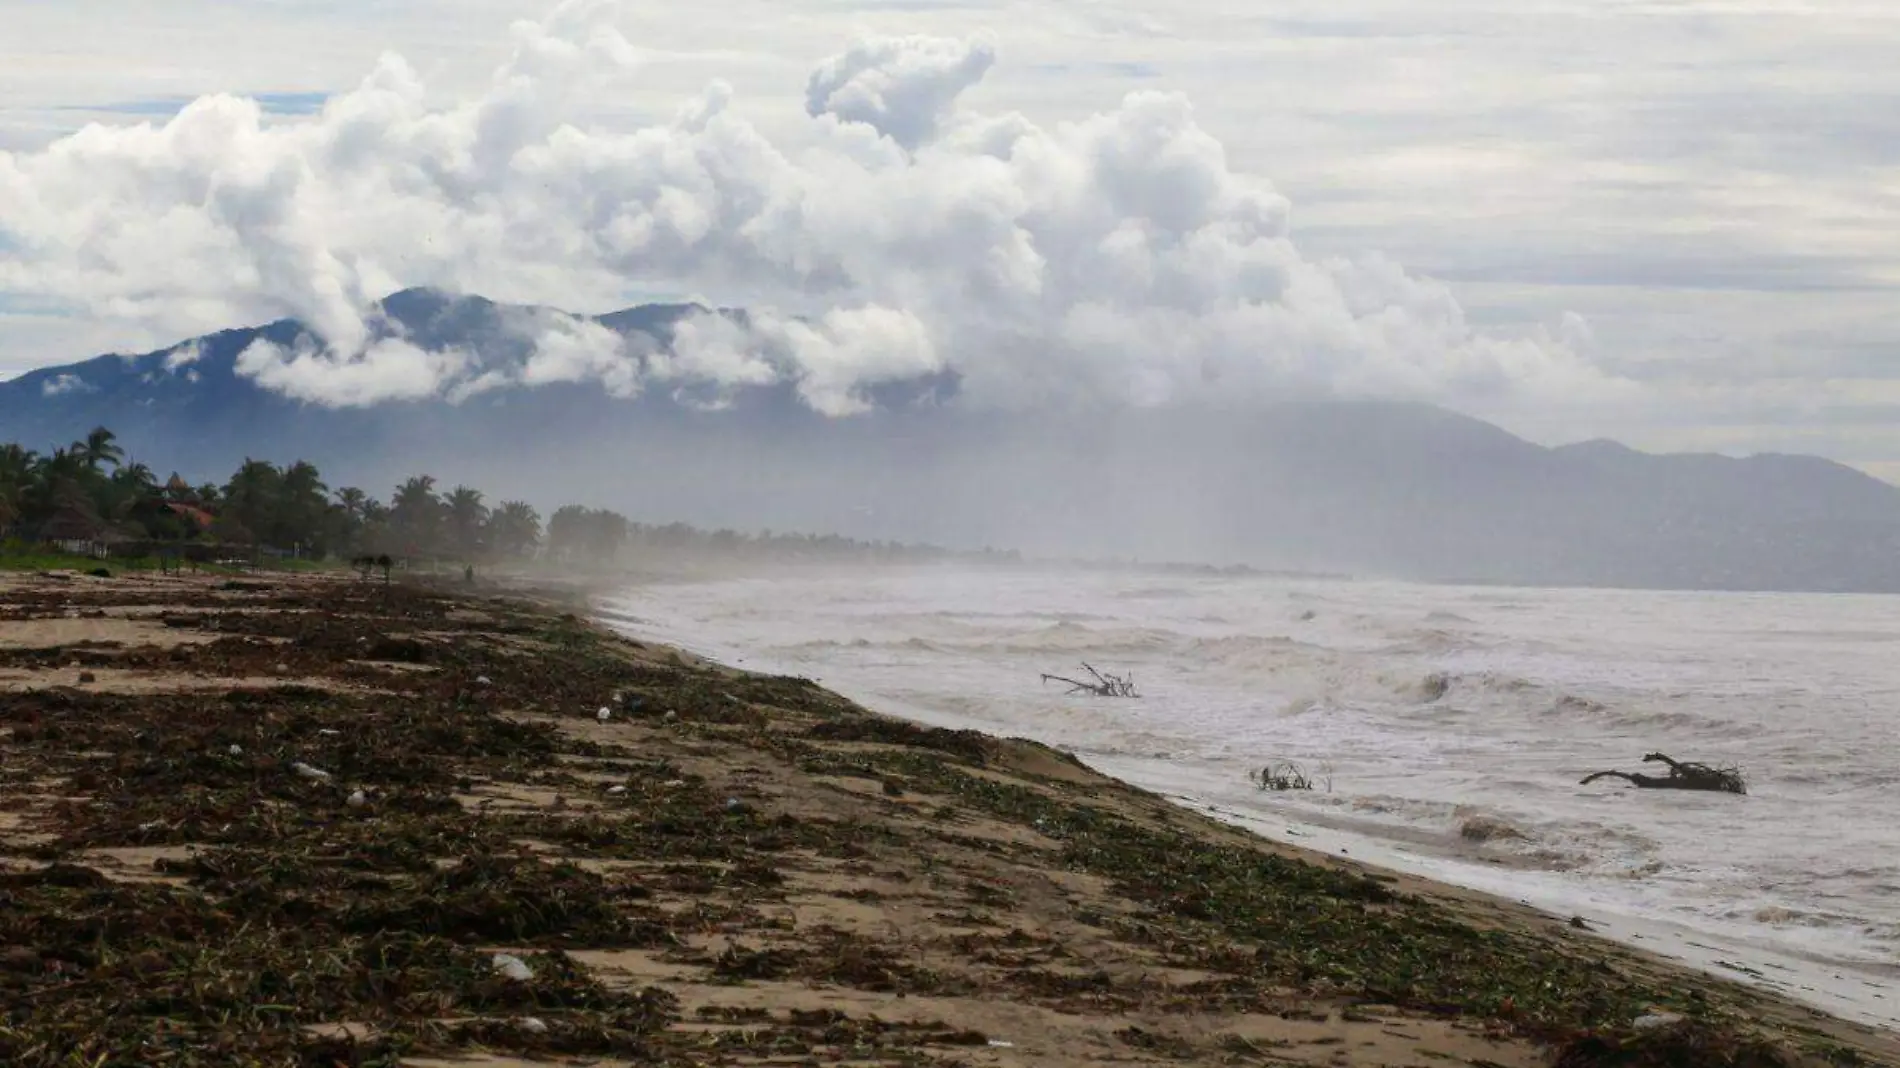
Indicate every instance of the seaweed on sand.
{"type": "Point", "coordinates": [311, 898]}
{"type": "Point", "coordinates": [515, 900]}
{"type": "Point", "coordinates": [142, 974]}
{"type": "Point", "coordinates": [1682, 1042]}
{"type": "Point", "coordinates": [1307, 926]}
{"type": "Point", "coordinates": [971, 746]}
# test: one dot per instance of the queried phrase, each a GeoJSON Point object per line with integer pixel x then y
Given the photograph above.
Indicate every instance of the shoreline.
{"type": "Point", "coordinates": [1678, 943]}
{"type": "Point", "coordinates": [1844, 990]}
{"type": "Point", "coordinates": [278, 818]}
{"type": "Point", "coordinates": [1671, 943]}
{"type": "Point", "coordinates": [1836, 977]}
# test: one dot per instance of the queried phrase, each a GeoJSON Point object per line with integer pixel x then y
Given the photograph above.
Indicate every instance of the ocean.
{"type": "Point", "coordinates": [1444, 728]}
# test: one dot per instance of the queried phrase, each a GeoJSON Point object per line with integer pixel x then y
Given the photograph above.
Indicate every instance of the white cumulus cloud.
{"type": "Point", "coordinates": [902, 87]}
{"type": "Point", "coordinates": [1113, 258]}
{"type": "Point", "coordinates": [387, 369]}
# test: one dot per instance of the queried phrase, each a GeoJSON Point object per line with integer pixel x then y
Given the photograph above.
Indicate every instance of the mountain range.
{"type": "Point", "coordinates": [1386, 488]}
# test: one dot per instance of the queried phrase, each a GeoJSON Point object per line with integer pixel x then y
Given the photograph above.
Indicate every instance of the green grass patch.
{"type": "Point", "coordinates": [27, 559]}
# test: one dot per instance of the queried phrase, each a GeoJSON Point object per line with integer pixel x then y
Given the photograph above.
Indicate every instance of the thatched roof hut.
{"type": "Point", "coordinates": [73, 520]}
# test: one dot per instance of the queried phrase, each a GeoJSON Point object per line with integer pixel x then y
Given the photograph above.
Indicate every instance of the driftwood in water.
{"type": "Point", "coordinates": [1103, 686]}
{"type": "Point", "coordinates": [1682, 776]}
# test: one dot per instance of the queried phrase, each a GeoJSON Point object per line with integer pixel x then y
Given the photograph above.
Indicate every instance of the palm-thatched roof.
{"type": "Point", "coordinates": [73, 521]}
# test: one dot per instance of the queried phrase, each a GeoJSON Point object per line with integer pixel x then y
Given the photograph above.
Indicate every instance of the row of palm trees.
{"type": "Point", "coordinates": [73, 491]}
{"type": "Point", "coordinates": [90, 492]}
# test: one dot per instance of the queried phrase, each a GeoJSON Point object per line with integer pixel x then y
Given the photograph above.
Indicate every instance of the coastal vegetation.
{"type": "Point", "coordinates": [91, 499]}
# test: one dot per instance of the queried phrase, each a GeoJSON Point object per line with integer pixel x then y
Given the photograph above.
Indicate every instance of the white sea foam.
{"type": "Point", "coordinates": [1426, 708]}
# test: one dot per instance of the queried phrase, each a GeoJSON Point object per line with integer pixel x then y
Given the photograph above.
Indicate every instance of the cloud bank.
{"type": "Point", "coordinates": [1113, 259]}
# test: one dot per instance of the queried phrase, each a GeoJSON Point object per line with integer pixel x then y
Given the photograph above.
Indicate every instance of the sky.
{"type": "Point", "coordinates": [1669, 222]}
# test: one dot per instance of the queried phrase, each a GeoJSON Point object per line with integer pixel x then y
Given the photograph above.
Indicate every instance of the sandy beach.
{"type": "Point", "coordinates": [312, 820]}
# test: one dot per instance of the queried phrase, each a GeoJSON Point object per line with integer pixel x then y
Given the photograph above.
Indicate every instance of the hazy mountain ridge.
{"type": "Point", "coordinates": [1392, 488]}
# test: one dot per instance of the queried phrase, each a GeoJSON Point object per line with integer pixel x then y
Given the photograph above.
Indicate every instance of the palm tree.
{"type": "Point", "coordinates": [352, 501]}
{"type": "Point", "coordinates": [252, 500]}
{"type": "Point", "coordinates": [514, 528]}
{"type": "Point", "coordinates": [131, 486]}
{"type": "Point", "coordinates": [54, 480]}
{"type": "Point", "coordinates": [591, 533]}
{"type": "Point", "coordinates": [16, 464]}
{"type": "Point", "coordinates": [567, 529]}
{"type": "Point", "coordinates": [304, 483]}
{"type": "Point", "coordinates": [136, 475]}
{"type": "Point", "coordinates": [303, 508]}
{"type": "Point", "coordinates": [348, 518]}
{"type": "Point", "coordinates": [467, 516]}
{"type": "Point", "coordinates": [98, 450]}
{"type": "Point", "coordinates": [18, 467]}
{"type": "Point", "coordinates": [415, 516]}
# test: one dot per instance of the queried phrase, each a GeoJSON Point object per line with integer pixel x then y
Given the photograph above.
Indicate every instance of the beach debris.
{"type": "Point", "coordinates": [1656, 1020]}
{"type": "Point", "coordinates": [236, 750]}
{"type": "Point", "coordinates": [534, 1025]}
{"type": "Point", "coordinates": [616, 790]}
{"type": "Point", "coordinates": [513, 967]}
{"type": "Point", "coordinates": [483, 680]}
{"type": "Point", "coordinates": [328, 733]}
{"type": "Point", "coordinates": [604, 714]}
{"type": "Point", "coordinates": [1105, 685]}
{"type": "Point", "coordinates": [1488, 829]}
{"type": "Point", "coordinates": [1285, 775]}
{"type": "Point", "coordinates": [1682, 776]}
{"type": "Point", "coordinates": [670, 715]}
{"type": "Point", "coordinates": [357, 799]}
{"type": "Point", "coordinates": [311, 773]}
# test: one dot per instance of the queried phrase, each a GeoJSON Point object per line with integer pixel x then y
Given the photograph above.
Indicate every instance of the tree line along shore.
{"type": "Point", "coordinates": [297, 820]}
{"type": "Point", "coordinates": [90, 498]}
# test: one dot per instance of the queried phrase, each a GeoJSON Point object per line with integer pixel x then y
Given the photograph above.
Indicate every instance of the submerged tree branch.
{"type": "Point", "coordinates": [1103, 686]}
{"type": "Point", "coordinates": [1682, 775]}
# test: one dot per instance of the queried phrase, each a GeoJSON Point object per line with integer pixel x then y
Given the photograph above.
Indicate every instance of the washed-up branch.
{"type": "Point", "coordinates": [1104, 685]}
{"type": "Point", "coordinates": [1682, 776]}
